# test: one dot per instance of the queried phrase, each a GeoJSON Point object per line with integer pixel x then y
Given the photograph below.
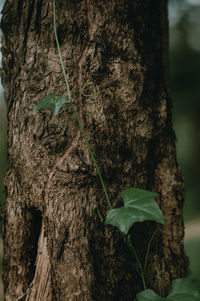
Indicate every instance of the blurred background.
{"type": "Point", "coordinates": [184, 19]}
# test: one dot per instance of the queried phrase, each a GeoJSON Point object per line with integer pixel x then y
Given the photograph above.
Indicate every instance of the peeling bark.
{"type": "Point", "coordinates": [55, 247]}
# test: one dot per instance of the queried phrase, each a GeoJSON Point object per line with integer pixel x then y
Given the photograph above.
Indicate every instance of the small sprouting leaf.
{"type": "Point", "coordinates": [52, 102]}
{"type": "Point", "coordinates": [139, 206]}
{"type": "Point", "coordinates": [182, 290]}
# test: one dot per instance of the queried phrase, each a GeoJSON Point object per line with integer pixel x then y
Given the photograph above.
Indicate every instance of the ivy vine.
{"type": "Point", "coordinates": [139, 204]}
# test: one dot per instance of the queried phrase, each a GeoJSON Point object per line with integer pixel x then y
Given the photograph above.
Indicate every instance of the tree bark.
{"type": "Point", "coordinates": [116, 57]}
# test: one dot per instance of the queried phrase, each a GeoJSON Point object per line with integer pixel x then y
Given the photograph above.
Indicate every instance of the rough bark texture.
{"type": "Point", "coordinates": [55, 247]}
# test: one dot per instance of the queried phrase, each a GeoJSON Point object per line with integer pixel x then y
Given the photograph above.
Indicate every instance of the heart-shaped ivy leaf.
{"type": "Point", "coordinates": [139, 206]}
{"type": "Point", "coordinates": [52, 102]}
{"type": "Point", "coordinates": [182, 290]}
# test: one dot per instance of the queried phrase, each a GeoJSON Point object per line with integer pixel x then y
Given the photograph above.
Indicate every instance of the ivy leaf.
{"type": "Point", "coordinates": [182, 290]}
{"type": "Point", "coordinates": [139, 206]}
{"type": "Point", "coordinates": [52, 102]}
{"type": "Point", "coordinates": [149, 295]}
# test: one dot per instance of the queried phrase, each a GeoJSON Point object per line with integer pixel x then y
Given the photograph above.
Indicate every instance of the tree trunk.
{"type": "Point", "coordinates": [116, 57]}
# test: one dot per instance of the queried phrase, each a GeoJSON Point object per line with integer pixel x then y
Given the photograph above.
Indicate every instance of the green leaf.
{"type": "Point", "coordinates": [139, 206]}
{"type": "Point", "coordinates": [182, 290]}
{"type": "Point", "coordinates": [52, 102]}
{"type": "Point", "coordinates": [148, 295]}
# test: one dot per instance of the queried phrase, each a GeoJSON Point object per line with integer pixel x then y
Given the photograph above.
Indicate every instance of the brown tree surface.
{"type": "Point", "coordinates": [116, 56]}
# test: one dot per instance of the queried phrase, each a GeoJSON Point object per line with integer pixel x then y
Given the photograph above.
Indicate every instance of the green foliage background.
{"type": "Point", "coordinates": [185, 94]}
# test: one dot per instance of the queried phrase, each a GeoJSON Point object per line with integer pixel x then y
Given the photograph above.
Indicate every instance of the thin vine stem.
{"type": "Point", "coordinates": [134, 253]}
{"type": "Point", "coordinates": [148, 249]}
{"type": "Point", "coordinates": [74, 109]}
